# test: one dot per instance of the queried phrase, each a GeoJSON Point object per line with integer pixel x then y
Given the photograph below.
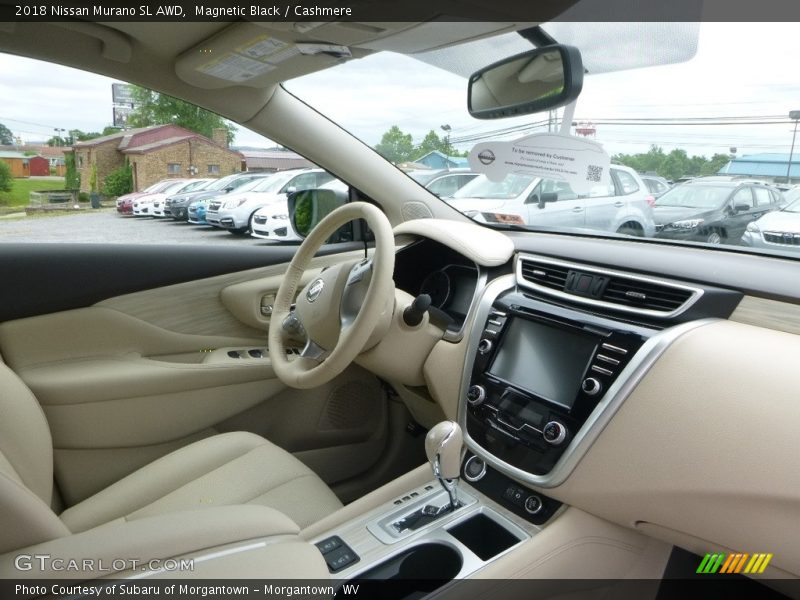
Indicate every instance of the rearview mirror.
{"type": "Point", "coordinates": [308, 207]}
{"type": "Point", "coordinates": [534, 81]}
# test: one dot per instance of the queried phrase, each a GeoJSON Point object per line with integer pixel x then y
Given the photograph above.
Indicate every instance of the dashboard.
{"type": "Point", "coordinates": [448, 277]}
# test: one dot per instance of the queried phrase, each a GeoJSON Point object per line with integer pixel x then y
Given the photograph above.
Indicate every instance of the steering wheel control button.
{"type": "Point", "coordinates": [476, 394]}
{"type": "Point", "coordinates": [591, 386]}
{"type": "Point", "coordinates": [474, 469]}
{"type": "Point", "coordinates": [485, 346]}
{"type": "Point", "coordinates": [533, 504]}
{"type": "Point", "coordinates": [554, 433]}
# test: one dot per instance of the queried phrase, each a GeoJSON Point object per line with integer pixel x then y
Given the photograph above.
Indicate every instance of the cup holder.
{"type": "Point", "coordinates": [412, 573]}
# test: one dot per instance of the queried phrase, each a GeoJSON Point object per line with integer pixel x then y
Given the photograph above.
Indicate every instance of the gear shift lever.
{"type": "Point", "coordinates": [443, 445]}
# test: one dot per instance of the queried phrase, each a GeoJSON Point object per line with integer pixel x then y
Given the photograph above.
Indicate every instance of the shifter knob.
{"type": "Point", "coordinates": [443, 445]}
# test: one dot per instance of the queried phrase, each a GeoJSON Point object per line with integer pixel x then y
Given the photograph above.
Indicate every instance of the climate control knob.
{"type": "Point", "coordinates": [554, 433]}
{"type": "Point", "coordinates": [591, 387]}
{"type": "Point", "coordinates": [484, 346]}
{"type": "Point", "coordinates": [476, 394]}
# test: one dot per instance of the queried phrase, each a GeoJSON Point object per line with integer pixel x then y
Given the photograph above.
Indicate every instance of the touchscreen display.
{"type": "Point", "coordinates": [544, 360]}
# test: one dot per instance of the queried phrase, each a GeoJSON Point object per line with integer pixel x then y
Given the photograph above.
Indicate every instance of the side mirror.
{"type": "Point", "coordinates": [228, 189]}
{"type": "Point", "coordinates": [737, 208]}
{"type": "Point", "coordinates": [308, 207]}
{"type": "Point", "coordinates": [547, 197]}
{"type": "Point", "coordinates": [291, 189]}
{"type": "Point", "coordinates": [538, 80]}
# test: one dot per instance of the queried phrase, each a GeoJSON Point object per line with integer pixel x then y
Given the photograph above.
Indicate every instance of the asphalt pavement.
{"type": "Point", "coordinates": [106, 226]}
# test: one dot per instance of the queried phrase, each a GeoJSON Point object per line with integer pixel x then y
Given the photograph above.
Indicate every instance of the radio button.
{"type": "Point", "coordinates": [591, 386]}
{"type": "Point", "coordinates": [533, 504]}
{"type": "Point", "coordinates": [485, 346]}
{"type": "Point", "coordinates": [476, 394]}
{"type": "Point", "coordinates": [554, 433]}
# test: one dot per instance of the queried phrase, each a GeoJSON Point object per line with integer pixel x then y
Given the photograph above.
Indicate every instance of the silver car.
{"type": "Point", "coordinates": [777, 230]}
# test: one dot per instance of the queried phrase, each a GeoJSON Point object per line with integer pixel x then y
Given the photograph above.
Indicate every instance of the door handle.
{"type": "Point", "coordinates": [619, 204]}
{"type": "Point", "coordinates": [577, 209]}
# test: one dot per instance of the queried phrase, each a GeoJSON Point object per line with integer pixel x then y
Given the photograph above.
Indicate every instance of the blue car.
{"type": "Point", "coordinates": [197, 212]}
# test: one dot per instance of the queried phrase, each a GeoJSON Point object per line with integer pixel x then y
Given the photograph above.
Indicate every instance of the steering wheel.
{"type": "Point", "coordinates": [342, 311]}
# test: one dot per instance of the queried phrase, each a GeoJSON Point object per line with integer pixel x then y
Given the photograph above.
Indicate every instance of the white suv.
{"type": "Point", "coordinates": [624, 206]}
{"type": "Point", "coordinates": [235, 211]}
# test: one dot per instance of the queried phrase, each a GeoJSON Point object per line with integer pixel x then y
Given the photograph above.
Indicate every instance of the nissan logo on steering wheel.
{"type": "Point", "coordinates": [315, 290]}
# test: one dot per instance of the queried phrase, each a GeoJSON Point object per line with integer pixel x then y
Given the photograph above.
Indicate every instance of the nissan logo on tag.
{"type": "Point", "coordinates": [315, 290]}
{"type": "Point", "coordinates": [486, 157]}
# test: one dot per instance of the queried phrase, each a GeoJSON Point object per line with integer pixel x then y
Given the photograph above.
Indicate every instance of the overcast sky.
{"type": "Point", "coordinates": [739, 70]}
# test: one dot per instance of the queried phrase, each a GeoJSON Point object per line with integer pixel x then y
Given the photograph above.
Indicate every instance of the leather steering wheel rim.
{"type": "Point", "coordinates": [305, 372]}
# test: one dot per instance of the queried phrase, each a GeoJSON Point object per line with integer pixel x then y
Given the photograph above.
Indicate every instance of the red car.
{"type": "Point", "coordinates": [125, 202]}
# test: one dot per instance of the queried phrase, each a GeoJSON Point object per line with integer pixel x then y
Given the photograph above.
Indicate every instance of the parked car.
{"type": "Point", "coordinates": [622, 207]}
{"type": "Point", "coordinates": [271, 222]}
{"type": "Point", "coordinates": [196, 212]}
{"type": "Point", "coordinates": [235, 213]}
{"type": "Point", "coordinates": [715, 212]}
{"type": "Point", "coordinates": [657, 185]}
{"type": "Point", "coordinates": [125, 202]}
{"type": "Point", "coordinates": [143, 205]}
{"type": "Point", "coordinates": [779, 229]}
{"type": "Point", "coordinates": [159, 204]}
{"type": "Point", "coordinates": [443, 182]}
{"type": "Point", "coordinates": [178, 204]}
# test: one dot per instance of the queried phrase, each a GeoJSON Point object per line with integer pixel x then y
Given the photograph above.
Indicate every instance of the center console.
{"type": "Point", "coordinates": [538, 374]}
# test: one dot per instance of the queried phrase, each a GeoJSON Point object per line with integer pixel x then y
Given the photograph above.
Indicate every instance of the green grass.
{"type": "Point", "coordinates": [21, 189]}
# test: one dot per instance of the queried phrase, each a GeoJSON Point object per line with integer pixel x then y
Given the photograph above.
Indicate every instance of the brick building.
{"type": "Point", "coordinates": [155, 153]}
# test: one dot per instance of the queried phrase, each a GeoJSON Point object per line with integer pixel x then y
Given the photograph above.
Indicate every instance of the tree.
{"type": "Point", "coordinates": [713, 166]}
{"type": "Point", "coordinates": [118, 182]}
{"type": "Point", "coordinates": [396, 146]}
{"type": "Point", "coordinates": [152, 108]}
{"type": "Point", "coordinates": [72, 179]}
{"type": "Point", "coordinates": [432, 143]}
{"type": "Point", "coordinates": [6, 137]}
{"type": "Point", "coordinates": [6, 180]}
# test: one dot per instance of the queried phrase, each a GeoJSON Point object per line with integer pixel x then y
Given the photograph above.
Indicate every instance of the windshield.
{"type": "Point", "coordinates": [794, 207]}
{"type": "Point", "coordinates": [695, 196]}
{"type": "Point", "coordinates": [482, 187]}
{"type": "Point", "coordinates": [633, 105]}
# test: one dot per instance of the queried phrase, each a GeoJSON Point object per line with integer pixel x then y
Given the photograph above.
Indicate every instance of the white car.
{"type": "Point", "coordinates": [235, 212]}
{"type": "Point", "coordinates": [271, 222]}
{"type": "Point", "coordinates": [160, 201]}
{"type": "Point", "coordinates": [622, 207]}
{"type": "Point", "coordinates": [143, 205]}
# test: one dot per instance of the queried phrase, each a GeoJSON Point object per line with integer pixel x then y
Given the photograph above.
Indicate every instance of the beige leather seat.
{"type": "Point", "coordinates": [227, 469]}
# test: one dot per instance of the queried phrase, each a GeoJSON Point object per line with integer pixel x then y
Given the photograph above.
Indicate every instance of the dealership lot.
{"type": "Point", "coordinates": [106, 226]}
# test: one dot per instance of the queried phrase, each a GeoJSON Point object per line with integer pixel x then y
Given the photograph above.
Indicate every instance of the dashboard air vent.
{"type": "Point", "coordinates": [547, 275]}
{"type": "Point", "coordinates": [642, 294]}
{"type": "Point", "coordinates": [603, 288]}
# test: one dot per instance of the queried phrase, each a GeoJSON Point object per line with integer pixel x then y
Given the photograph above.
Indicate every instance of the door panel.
{"type": "Point", "coordinates": [128, 378]}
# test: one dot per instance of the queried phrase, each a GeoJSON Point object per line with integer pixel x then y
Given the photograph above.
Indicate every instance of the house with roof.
{"type": "Point", "coordinates": [18, 162]}
{"type": "Point", "coordinates": [440, 160]}
{"type": "Point", "coordinates": [155, 153]}
{"type": "Point", "coordinates": [273, 160]}
{"type": "Point", "coordinates": [767, 166]}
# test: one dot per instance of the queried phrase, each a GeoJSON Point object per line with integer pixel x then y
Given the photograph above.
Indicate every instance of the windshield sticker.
{"type": "Point", "coordinates": [581, 163]}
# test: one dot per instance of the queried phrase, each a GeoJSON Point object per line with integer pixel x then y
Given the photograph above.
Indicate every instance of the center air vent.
{"type": "Point", "coordinates": [632, 292]}
{"type": "Point", "coordinates": [604, 288]}
{"type": "Point", "coordinates": [550, 276]}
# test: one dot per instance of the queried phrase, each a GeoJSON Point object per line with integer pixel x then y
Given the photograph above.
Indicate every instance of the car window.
{"type": "Point", "coordinates": [763, 198]}
{"type": "Point", "coordinates": [445, 186]}
{"type": "Point", "coordinates": [743, 197]}
{"type": "Point", "coordinates": [626, 182]}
